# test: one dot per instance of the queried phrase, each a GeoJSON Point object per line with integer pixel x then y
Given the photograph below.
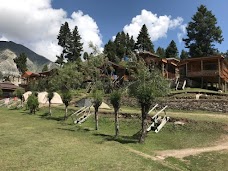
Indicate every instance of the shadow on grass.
{"type": "Point", "coordinates": [76, 129]}
{"type": "Point", "coordinates": [121, 139]}
{"type": "Point", "coordinates": [48, 117]}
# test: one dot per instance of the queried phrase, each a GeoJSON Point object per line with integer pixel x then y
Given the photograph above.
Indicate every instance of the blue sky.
{"type": "Point", "coordinates": [112, 16]}
{"type": "Point", "coordinates": [36, 23]}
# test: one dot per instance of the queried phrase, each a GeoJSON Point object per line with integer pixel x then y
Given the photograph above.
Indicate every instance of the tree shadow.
{"type": "Point", "coordinates": [76, 129]}
{"type": "Point", "coordinates": [47, 116]}
{"type": "Point", "coordinates": [121, 139]}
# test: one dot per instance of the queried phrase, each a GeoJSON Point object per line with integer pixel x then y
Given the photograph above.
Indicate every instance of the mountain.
{"type": "Point", "coordinates": [11, 50]}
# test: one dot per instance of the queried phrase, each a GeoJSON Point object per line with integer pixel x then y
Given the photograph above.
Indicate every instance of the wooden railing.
{"type": "Point", "coordinates": [224, 74]}
{"type": "Point", "coordinates": [203, 73]}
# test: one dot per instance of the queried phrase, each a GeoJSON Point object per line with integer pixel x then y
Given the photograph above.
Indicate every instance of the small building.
{"type": "Point", "coordinates": [205, 72]}
{"type": "Point", "coordinates": [8, 88]}
{"type": "Point", "coordinates": [168, 66]}
{"type": "Point", "coordinates": [28, 77]}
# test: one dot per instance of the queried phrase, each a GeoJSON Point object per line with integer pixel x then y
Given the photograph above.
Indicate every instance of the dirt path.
{"type": "Point", "coordinates": [147, 156]}
{"type": "Point", "coordinates": [221, 145]}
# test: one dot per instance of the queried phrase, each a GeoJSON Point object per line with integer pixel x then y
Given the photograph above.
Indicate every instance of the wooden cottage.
{"type": "Point", "coordinates": [8, 88]}
{"type": "Point", "coordinates": [205, 72]}
{"type": "Point", "coordinates": [168, 66]}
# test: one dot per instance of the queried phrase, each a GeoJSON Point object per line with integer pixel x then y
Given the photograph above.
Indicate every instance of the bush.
{"type": "Point", "coordinates": [33, 103]}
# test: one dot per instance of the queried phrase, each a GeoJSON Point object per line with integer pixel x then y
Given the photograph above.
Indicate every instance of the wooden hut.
{"type": "Point", "coordinates": [205, 72]}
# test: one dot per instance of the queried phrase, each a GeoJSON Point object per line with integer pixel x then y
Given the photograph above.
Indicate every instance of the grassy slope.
{"type": "Point", "coordinates": [37, 142]}
{"type": "Point", "coordinates": [30, 143]}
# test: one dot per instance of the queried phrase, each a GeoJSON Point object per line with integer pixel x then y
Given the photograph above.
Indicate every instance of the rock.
{"type": "Point", "coordinates": [179, 123]}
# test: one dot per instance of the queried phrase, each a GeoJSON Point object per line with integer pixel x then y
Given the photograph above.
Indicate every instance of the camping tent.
{"type": "Point", "coordinates": [88, 102]}
{"type": "Point", "coordinates": [42, 98]}
{"type": "Point", "coordinates": [26, 95]}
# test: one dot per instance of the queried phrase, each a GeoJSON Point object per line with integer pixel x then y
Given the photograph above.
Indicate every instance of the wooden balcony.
{"type": "Point", "coordinates": [204, 73]}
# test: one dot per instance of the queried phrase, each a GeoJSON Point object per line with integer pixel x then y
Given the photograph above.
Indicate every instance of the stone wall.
{"type": "Point", "coordinates": [202, 104]}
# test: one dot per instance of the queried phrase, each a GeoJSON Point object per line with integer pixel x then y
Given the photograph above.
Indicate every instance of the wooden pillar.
{"type": "Point", "coordinates": [163, 69]}
{"type": "Point", "coordinates": [201, 82]}
{"type": "Point", "coordinates": [219, 82]}
{"type": "Point", "coordinates": [226, 86]}
{"type": "Point", "coordinates": [201, 62]}
{"type": "Point", "coordinates": [186, 70]}
{"type": "Point", "coordinates": [201, 71]}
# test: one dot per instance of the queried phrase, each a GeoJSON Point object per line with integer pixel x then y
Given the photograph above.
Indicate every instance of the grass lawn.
{"type": "Point", "coordinates": [40, 142]}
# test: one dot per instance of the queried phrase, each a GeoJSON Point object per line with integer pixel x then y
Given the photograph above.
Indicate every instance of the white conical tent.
{"type": "Point", "coordinates": [103, 106]}
{"type": "Point", "coordinates": [42, 97]}
{"type": "Point", "coordinates": [26, 95]}
{"type": "Point", "coordinates": [56, 99]}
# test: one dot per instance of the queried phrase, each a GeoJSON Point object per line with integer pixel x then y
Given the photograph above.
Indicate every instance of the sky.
{"type": "Point", "coordinates": [36, 23]}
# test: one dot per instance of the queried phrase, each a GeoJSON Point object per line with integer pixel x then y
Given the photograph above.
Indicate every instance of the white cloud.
{"type": "Point", "coordinates": [157, 26]}
{"type": "Point", "coordinates": [36, 24]}
{"type": "Point", "coordinates": [2, 38]}
{"type": "Point", "coordinates": [182, 32]}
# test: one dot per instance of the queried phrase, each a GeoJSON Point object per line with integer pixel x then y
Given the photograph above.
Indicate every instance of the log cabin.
{"type": "Point", "coordinates": [205, 72]}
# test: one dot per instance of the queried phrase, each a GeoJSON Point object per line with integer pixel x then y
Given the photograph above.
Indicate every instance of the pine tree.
{"type": "Point", "coordinates": [110, 51]}
{"type": "Point", "coordinates": [202, 33]}
{"type": "Point", "coordinates": [45, 68]}
{"type": "Point", "coordinates": [21, 62]}
{"type": "Point", "coordinates": [160, 52]}
{"type": "Point", "coordinates": [75, 48]}
{"type": "Point", "coordinates": [85, 56]}
{"type": "Point", "coordinates": [64, 39]}
{"type": "Point", "coordinates": [120, 43]}
{"type": "Point", "coordinates": [171, 50]}
{"type": "Point", "coordinates": [143, 41]}
{"type": "Point", "coordinates": [184, 54]}
{"type": "Point", "coordinates": [130, 44]}
{"type": "Point", "coordinates": [60, 60]}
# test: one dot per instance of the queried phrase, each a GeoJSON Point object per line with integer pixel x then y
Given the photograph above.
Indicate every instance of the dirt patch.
{"type": "Point", "coordinates": [147, 156]}
{"type": "Point", "coordinates": [222, 144]}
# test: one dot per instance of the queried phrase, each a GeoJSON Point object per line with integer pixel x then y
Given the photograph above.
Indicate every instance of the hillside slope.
{"type": "Point", "coordinates": [10, 50]}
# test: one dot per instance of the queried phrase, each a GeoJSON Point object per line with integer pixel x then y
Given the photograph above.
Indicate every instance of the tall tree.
{"type": "Point", "coordinates": [75, 48]}
{"type": "Point", "coordinates": [21, 62]}
{"type": "Point", "coordinates": [160, 52]}
{"type": "Point", "coordinates": [60, 59]}
{"type": "Point", "coordinates": [85, 56]}
{"type": "Point", "coordinates": [110, 51]}
{"type": "Point", "coordinates": [45, 68]}
{"type": "Point", "coordinates": [148, 86]}
{"type": "Point", "coordinates": [19, 93]}
{"type": "Point", "coordinates": [120, 43]}
{"type": "Point", "coordinates": [184, 54]}
{"type": "Point", "coordinates": [97, 101]}
{"type": "Point", "coordinates": [143, 41]}
{"type": "Point", "coordinates": [64, 40]}
{"type": "Point", "coordinates": [202, 33]}
{"type": "Point", "coordinates": [171, 51]}
{"type": "Point", "coordinates": [115, 99]}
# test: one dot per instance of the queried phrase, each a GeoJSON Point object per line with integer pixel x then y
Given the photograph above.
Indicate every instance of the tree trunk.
{"type": "Point", "coordinates": [65, 117]}
{"type": "Point", "coordinates": [22, 104]}
{"type": "Point", "coordinates": [116, 123]}
{"type": "Point", "coordinates": [96, 119]}
{"type": "Point", "coordinates": [49, 108]}
{"type": "Point", "coordinates": [144, 109]}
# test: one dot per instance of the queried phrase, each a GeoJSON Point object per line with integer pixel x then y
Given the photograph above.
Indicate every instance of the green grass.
{"type": "Point", "coordinates": [40, 142]}
{"type": "Point", "coordinates": [208, 161]}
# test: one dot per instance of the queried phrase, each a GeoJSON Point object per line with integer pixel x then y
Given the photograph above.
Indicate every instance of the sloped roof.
{"type": "Point", "coordinates": [8, 86]}
{"type": "Point", "coordinates": [29, 74]}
